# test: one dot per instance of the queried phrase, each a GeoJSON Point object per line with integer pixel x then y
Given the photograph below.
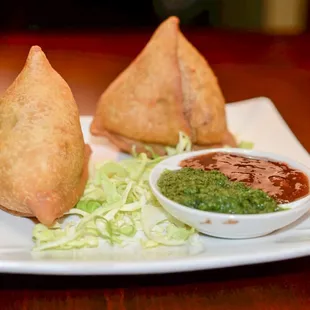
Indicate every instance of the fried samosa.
{"type": "Point", "coordinates": [168, 88]}
{"type": "Point", "coordinates": [44, 160]}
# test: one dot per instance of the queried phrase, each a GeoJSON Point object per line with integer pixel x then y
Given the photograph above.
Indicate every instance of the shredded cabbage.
{"type": "Point", "coordinates": [184, 145]}
{"type": "Point", "coordinates": [116, 206]}
{"type": "Point", "coordinates": [246, 145]}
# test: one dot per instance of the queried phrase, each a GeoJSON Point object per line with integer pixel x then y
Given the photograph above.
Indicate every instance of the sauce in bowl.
{"type": "Point", "coordinates": [277, 179]}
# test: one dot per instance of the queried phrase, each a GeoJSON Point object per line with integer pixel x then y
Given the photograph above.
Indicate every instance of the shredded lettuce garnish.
{"type": "Point", "coordinates": [246, 145]}
{"type": "Point", "coordinates": [184, 145]}
{"type": "Point", "coordinates": [116, 206]}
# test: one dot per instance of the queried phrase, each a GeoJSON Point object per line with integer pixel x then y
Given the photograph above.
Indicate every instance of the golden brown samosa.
{"type": "Point", "coordinates": [168, 88]}
{"type": "Point", "coordinates": [44, 161]}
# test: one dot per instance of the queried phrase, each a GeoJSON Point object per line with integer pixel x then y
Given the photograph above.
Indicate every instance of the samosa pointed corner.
{"type": "Point", "coordinates": [171, 22]}
{"type": "Point", "coordinates": [36, 58]}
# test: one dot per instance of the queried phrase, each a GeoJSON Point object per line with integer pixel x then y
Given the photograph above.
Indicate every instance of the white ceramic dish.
{"type": "Point", "coordinates": [256, 120]}
{"type": "Point", "coordinates": [226, 225]}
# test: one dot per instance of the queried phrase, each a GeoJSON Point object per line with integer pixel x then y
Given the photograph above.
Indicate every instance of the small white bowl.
{"type": "Point", "coordinates": [226, 225]}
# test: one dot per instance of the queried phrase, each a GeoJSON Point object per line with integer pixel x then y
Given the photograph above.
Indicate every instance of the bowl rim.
{"type": "Point", "coordinates": [251, 153]}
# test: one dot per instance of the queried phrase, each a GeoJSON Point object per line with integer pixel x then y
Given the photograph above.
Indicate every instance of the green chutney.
{"type": "Point", "coordinates": [213, 191]}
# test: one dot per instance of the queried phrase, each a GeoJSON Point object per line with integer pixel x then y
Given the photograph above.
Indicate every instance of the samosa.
{"type": "Point", "coordinates": [168, 88]}
{"type": "Point", "coordinates": [44, 160]}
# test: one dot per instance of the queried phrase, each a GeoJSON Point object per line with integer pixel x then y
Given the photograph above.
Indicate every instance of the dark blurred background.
{"type": "Point", "coordinates": [274, 16]}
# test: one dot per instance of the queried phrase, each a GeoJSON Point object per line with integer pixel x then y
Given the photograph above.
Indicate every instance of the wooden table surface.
{"type": "Point", "coordinates": [247, 65]}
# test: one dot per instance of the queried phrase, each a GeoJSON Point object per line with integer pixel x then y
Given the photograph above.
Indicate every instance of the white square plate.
{"type": "Point", "coordinates": [254, 120]}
